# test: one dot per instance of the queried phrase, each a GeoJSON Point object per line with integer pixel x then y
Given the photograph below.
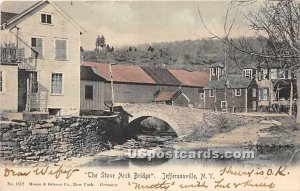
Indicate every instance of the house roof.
{"type": "Point", "coordinates": [150, 75]}
{"type": "Point", "coordinates": [191, 78]}
{"type": "Point", "coordinates": [122, 73]}
{"type": "Point", "coordinates": [217, 64]}
{"type": "Point", "coordinates": [250, 66]}
{"type": "Point", "coordinates": [5, 16]}
{"type": "Point", "coordinates": [88, 73]}
{"type": "Point", "coordinates": [275, 64]}
{"type": "Point", "coordinates": [161, 76]}
{"type": "Point", "coordinates": [167, 96]}
{"type": "Point", "coordinates": [38, 5]}
{"type": "Point", "coordinates": [232, 81]}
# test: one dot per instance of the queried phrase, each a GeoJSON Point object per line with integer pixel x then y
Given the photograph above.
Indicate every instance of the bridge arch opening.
{"type": "Point", "coordinates": [152, 125]}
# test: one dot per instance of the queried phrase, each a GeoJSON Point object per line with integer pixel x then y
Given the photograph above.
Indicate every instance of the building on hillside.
{"type": "Point", "coordinates": [44, 43]}
{"type": "Point", "coordinates": [136, 84]}
{"type": "Point", "coordinates": [176, 98]}
{"type": "Point", "coordinates": [231, 93]}
{"type": "Point", "coordinates": [276, 82]}
{"type": "Point", "coordinates": [216, 71]}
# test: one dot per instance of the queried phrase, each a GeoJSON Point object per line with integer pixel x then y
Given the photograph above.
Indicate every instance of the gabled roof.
{"type": "Point", "coordinates": [217, 64]}
{"type": "Point", "coordinates": [122, 73]}
{"type": "Point", "coordinates": [5, 16]}
{"type": "Point", "coordinates": [150, 75]}
{"type": "Point", "coordinates": [191, 78]}
{"type": "Point", "coordinates": [37, 6]}
{"type": "Point", "coordinates": [250, 66]}
{"type": "Point", "coordinates": [167, 96]}
{"type": "Point", "coordinates": [275, 64]}
{"type": "Point", "coordinates": [232, 81]}
{"type": "Point", "coordinates": [161, 76]}
{"type": "Point", "coordinates": [88, 73]}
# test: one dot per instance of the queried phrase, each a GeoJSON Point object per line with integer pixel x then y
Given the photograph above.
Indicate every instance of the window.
{"type": "Point", "coordinates": [263, 74]}
{"type": "Point", "coordinates": [254, 92]}
{"type": "Point", "coordinates": [37, 47]}
{"type": "Point", "coordinates": [1, 82]}
{"type": "Point", "coordinates": [211, 93]}
{"type": "Point", "coordinates": [247, 73]}
{"type": "Point", "coordinates": [61, 49]}
{"type": "Point", "coordinates": [283, 74]}
{"type": "Point", "coordinates": [46, 18]}
{"type": "Point", "coordinates": [201, 95]}
{"type": "Point", "coordinates": [274, 74]}
{"type": "Point", "coordinates": [263, 94]}
{"type": "Point", "coordinates": [88, 92]}
{"type": "Point", "coordinates": [34, 87]}
{"type": "Point", "coordinates": [56, 83]}
{"type": "Point", "coordinates": [223, 105]}
{"type": "Point", "coordinates": [238, 92]}
{"type": "Point", "coordinates": [213, 71]}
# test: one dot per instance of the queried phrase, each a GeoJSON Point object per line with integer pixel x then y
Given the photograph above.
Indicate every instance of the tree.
{"type": "Point", "coordinates": [276, 28]}
{"type": "Point", "coordinates": [100, 42]}
{"type": "Point", "coordinates": [107, 48]}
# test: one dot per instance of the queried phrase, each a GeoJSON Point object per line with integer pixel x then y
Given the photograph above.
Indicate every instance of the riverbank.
{"type": "Point", "coordinates": [218, 131]}
{"type": "Point", "coordinates": [262, 135]}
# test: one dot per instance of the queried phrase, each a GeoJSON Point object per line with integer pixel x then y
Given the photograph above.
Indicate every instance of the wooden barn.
{"type": "Point", "coordinates": [137, 84]}
{"type": "Point", "coordinates": [91, 91]}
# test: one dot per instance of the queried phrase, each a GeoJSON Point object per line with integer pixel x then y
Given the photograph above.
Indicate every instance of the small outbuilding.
{"type": "Point", "coordinates": [176, 98]}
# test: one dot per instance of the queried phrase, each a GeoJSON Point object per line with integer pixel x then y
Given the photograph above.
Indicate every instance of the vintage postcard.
{"type": "Point", "coordinates": [150, 95]}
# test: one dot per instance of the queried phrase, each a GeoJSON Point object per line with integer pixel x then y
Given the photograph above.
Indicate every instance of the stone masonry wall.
{"type": "Point", "coordinates": [55, 140]}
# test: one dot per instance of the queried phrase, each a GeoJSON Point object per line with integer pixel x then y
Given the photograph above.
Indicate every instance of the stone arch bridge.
{"type": "Point", "coordinates": [182, 119]}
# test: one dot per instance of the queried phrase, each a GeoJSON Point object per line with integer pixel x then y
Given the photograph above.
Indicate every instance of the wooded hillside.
{"type": "Point", "coordinates": [188, 54]}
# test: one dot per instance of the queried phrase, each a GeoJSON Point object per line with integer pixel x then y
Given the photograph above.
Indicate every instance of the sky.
{"type": "Point", "coordinates": [138, 22]}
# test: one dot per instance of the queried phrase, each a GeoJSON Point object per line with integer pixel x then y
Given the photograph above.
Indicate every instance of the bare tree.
{"type": "Point", "coordinates": [276, 28]}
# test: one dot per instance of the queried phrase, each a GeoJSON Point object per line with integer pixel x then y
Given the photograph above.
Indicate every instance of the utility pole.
{"type": "Point", "coordinates": [225, 73]}
{"type": "Point", "coordinates": [291, 99]}
{"type": "Point", "coordinates": [112, 88]}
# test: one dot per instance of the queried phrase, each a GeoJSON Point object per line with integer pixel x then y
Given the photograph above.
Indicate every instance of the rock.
{"type": "Point", "coordinates": [23, 133]}
{"type": "Point", "coordinates": [17, 161]}
{"type": "Point", "coordinates": [4, 126]}
{"type": "Point", "coordinates": [29, 154]}
{"type": "Point", "coordinates": [266, 122]}
{"type": "Point", "coordinates": [39, 153]}
{"type": "Point", "coordinates": [6, 136]}
{"type": "Point", "coordinates": [50, 138]}
{"type": "Point", "coordinates": [40, 132]}
{"type": "Point", "coordinates": [37, 126]}
{"type": "Point", "coordinates": [276, 123]}
{"type": "Point", "coordinates": [47, 125]}
{"type": "Point", "coordinates": [75, 125]}
{"type": "Point", "coordinates": [55, 160]}
{"type": "Point", "coordinates": [33, 158]}
{"type": "Point", "coordinates": [55, 129]}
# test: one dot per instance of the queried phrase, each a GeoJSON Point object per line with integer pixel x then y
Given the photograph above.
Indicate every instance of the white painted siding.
{"type": "Point", "coordinates": [9, 94]}
{"type": "Point", "coordinates": [61, 28]}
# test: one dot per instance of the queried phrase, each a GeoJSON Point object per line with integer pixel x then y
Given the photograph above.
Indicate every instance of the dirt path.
{"type": "Point", "coordinates": [245, 135]}
{"type": "Point", "coordinates": [240, 136]}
